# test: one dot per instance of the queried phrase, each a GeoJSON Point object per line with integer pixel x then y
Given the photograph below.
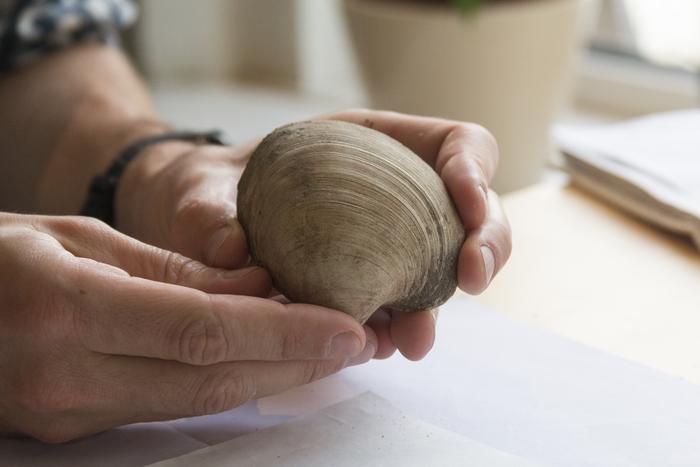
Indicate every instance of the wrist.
{"type": "Point", "coordinates": [73, 125]}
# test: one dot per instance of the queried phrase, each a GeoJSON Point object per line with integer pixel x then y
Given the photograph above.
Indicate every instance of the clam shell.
{"type": "Point", "coordinates": [346, 217]}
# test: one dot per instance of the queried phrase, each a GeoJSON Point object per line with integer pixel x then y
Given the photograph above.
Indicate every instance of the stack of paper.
{"type": "Point", "coordinates": [649, 166]}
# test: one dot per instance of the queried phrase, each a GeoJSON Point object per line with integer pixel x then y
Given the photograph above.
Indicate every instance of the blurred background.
{"type": "Point", "coordinates": [516, 67]}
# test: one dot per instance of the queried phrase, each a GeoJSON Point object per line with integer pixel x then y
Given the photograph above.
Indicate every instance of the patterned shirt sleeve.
{"type": "Point", "coordinates": [31, 28]}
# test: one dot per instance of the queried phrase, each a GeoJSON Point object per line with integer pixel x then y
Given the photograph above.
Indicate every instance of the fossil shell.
{"type": "Point", "coordinates": [346, 217]}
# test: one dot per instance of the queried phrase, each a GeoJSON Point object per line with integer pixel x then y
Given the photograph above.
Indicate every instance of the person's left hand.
{"type": "Point", "coordinates": [183, 198]}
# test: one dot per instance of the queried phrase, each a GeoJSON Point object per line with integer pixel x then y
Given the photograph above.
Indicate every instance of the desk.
{"type": "Point", "coordinates": [586, 271]}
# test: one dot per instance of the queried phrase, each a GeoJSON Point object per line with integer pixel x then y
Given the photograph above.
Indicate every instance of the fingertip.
{"type": "Point", "coordinates": [385, 352]}
{"type": "Point", "coordinates": [370, 349]}
{"type": "Point", "coordinates": [227, 246]}
{"type": "Point", "coordinates": [371, 340]}
{"type": "Point", "coordinates": [413, 333]}
{"type": "Point", "coordinates": [485, 250]}
{"type": "Point", "coordinates": [380, 322]}
{"type": "Point", "coordinates": [474, 269]}
{"type": "Point", "coordinates": [488, 263]}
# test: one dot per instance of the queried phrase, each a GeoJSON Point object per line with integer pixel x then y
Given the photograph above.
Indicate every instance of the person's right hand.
{"type": "Point", "coordinates": [99, 330]}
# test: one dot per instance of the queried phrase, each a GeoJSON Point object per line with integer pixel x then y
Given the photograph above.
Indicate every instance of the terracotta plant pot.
{"type": "Point", "coordinates": [508, 66]}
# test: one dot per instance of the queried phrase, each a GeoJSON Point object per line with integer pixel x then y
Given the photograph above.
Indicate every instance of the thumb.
{"type": "Point", "coordinates": [89, 238]}
{"type": "Point", "coordinates": [210, 233]}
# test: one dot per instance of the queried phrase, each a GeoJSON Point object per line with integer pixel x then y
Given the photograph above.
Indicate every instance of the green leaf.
{"type": "Point", "coordinates": [467, 6]}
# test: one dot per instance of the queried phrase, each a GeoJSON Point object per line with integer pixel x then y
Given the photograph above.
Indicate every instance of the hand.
{"type": "Point", "coordinates": [189, 197]}
{"type": "Point", "coordinates": [465, 156]}
{"type": "Point", "coordinates": [182, 197]}
{"type": "Point", "coordinates": [99, 330]}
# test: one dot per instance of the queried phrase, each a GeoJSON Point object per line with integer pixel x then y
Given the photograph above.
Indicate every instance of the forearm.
{"type": "Point", "coordinates": [62, 120]}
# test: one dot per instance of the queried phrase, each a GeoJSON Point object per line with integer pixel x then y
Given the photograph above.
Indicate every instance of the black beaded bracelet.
{"type": "Point", "coordinates": [100, 198]}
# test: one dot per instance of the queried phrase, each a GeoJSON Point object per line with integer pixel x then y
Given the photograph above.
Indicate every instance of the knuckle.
{"type": "Point", "coordinates": [481, 134]}
{"type": "Point", "coordinates": [193, 218]}
{"type": "Point", "coordinates": [94, 224]}
{"type": "Point", "coordinates": [222, 390]}
{"type": "Point", "coordinates": [78, 224]}
{"type": "Point", "coordinates": [191, 211]}
{"type": "Point", "coordinates": [288, 340]}
{"type": "Point", "coordinates": [474, 130]}
{"type": "Point", "coordinates": [202, 341]}
{"type": "Point", "coordinates": [76, 227]}
{"type": "Point", "coordinates": [317, 369]}
{"type": "Point", "coordinates": [177, 268]}
{"type": "Point", "coordinates": [292, 345]}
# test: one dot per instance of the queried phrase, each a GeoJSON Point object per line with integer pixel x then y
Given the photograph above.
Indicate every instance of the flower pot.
{"type": "Point", "coordinates": [508, 67]}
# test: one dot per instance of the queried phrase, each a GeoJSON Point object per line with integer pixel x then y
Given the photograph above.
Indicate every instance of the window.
{"type": "Point", "coordinates": [644, 56]}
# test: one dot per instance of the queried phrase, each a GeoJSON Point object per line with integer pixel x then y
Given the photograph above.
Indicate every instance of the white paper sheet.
{"type": "Point", "coordinates": [501, 383]}
{"type": "Point", "coordinates": [127, 446]}
{"type": "Point", "coordinates": [364, 430]}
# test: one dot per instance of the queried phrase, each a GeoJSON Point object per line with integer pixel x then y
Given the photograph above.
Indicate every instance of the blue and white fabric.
{"type": "Point", "coordinates": [30, 28]}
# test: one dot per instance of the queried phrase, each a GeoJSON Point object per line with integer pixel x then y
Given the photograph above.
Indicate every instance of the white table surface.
{"type": "Point", "coordinates": [587, 271]}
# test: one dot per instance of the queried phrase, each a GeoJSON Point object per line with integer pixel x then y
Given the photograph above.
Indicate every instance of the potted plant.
{"type": "Point", "coordinates": [506, 64]}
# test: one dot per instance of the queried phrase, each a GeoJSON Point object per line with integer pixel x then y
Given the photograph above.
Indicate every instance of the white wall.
{"type": "Point", "coordinates": [326, 58]}
{"type": "Point", "coordinates": [182, 40]}
{"type": "Point", "coordinates": [300, 44]}
{"type": "Point", "coordinates": [264, 41]}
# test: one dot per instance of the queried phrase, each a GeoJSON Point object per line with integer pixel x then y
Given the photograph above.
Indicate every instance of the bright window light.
{"type": "Point", "coordinates": [666, 32]}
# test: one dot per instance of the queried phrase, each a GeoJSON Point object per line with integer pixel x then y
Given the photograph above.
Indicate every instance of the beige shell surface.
{"type": "Point", "coordinates": [346, 217]}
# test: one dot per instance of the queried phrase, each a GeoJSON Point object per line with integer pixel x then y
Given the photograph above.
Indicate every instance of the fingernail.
{"type": "Point", "coordinates": [489, 263]}
{"type": "Point", "coordinates": [216, 241]}
{"type": "Point", "coordinates": [435, 312]}
{"type": "Point", "coordinates": [366, 355]}
{"type": "Point", "coordinates": [345, 345]}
